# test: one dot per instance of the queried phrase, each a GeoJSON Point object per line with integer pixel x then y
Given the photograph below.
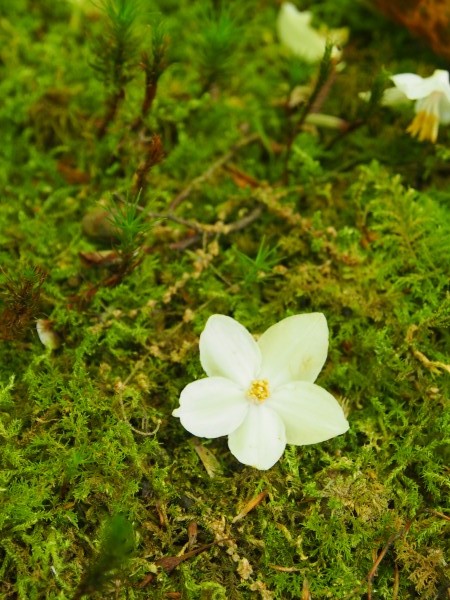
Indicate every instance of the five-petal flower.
{"type": "Point", "coordinates": [432, 98]}
{"type": "Point", "coordinates": [261, 394]}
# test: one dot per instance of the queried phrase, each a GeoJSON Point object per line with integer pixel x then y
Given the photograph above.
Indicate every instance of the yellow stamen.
{"type": "Point", "coordinates": [258, 391]}
{"type": "Point", "coordinates": [424, 126]}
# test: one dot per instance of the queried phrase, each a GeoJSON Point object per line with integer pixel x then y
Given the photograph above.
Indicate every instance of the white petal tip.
{"type": "Point", "coordinates": [341, 428]}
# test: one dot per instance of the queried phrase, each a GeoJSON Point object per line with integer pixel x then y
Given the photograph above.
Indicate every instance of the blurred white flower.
{"type": "Point", "coordinates": [261, 394]}
{"type": "Point", "coordinates": [432, 101]}
{"type": "Point", "coordinates": [296, 33]}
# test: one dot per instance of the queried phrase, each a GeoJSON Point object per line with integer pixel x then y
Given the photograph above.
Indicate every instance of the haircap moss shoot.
{"type": "Point", "coordinates": [262, 394]}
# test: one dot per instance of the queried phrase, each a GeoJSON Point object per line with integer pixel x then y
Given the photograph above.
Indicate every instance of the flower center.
{"type": "Point", "coordinates": [258, 391]}
{"type": "Point", "coordinates": [425, 124]}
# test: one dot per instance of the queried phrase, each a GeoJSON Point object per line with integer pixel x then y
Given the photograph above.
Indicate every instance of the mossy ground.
{"type": "Point", "coordinates": [356, 227]}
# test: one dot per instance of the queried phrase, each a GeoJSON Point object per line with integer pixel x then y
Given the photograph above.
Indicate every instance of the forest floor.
{"type": "Point", "coordinates": [163, 164]}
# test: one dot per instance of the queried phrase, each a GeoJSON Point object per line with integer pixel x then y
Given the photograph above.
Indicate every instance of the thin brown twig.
{"type": "Point", "coordinates": [351, 127]}
{"type": "Point", "coordinates": [320, 91]}
{"type": "Point", "coordinates": [323, 92]}
{"type": "Point", "coordinates": [211, 170]}
{"type": "Point", "coordinates": [242, 223]}
{"type": "Point", "coordinates": [186, 242]}
{"type": "Point", "coordinates": [153, 154]}
{"type": "Point", "coordinates": [169, 217]}
{"type": "Point", "coordinates": [138, 431]}
{"type": "Point", "coordinates": [439, 514]}
{"type": "Point", "coordinates": [226, 229]}
{"type": "Point", "coordinates": [201, 228]}
{"type": "Point", "coordinates": [435, 366]}
{"type": "Point", "coordinates": [324, 82]}
{"type": "Point", "coordinates": [151, 87]}
{"type": "Point", "coordinates": [112, 107]}
{"type": "Point", "coordinates": [396, 582]}
{"type": "Point", "coordinates": [373, 570]}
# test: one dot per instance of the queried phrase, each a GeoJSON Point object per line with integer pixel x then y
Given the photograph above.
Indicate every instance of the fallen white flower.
{"type": "Point", "coordinates": [432, 101]}
{"type": "Point", "coordinates": [261, 394]}
{"type": "Point", "coordinates": [296, 33]}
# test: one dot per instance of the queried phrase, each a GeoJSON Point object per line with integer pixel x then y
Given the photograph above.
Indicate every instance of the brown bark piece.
{"type": "Point", "coordinates": [428, 19]}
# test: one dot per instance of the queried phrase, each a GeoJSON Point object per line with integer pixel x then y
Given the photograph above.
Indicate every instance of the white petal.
{"type": "Point", "coordinates": [228, 350]}
{"type": "Point", "coordinates": [429, 105]}
{"type": "Point", "coordinates": [415, 87]}
{"type": "Point", "coordinates": [393, 96]}
{"type": "Point", "coordinates": [295, 32]}
{"type": "Point", "coordinates": [439, 82]}
{"type": "Point", "coordinates": [310, 414]}
{"type": "Point", "coordinates": [260, 440]}
{"type": "Point", "coordinates": [444, 111]}
{"type": "Point", "coordinates": [212, 407]}
{"type": "Point", "coordinates": [294, 349]}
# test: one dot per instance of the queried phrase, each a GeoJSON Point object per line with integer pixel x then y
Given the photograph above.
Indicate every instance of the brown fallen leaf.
{"type": "Point", "coordinates": [146, 581]}
{"type": "Point", "coordinates": [285, 569]}
{"type": "Point", "coordinates": [305, 591]}
{"type": "Point", "coordinates": [208, 459]}
{"type": "Point", "coordinates": [253, 503]}
{"type": "Point", "coordinates": [101, 258]}
{"type": "Point", "coordinates": [169, 563]}
{"type": "Point", "coordinates": [71, 174]}
{"type": "Point", "coordinates": [161, 514]}
{"type": "Point", "coordinates": [242, 179]}
{"type": "Point", "coordinates": [192, 533]}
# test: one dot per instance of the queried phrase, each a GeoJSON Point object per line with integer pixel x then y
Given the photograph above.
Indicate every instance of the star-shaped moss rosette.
{"type": "Point", "coordinates": [262, 394]}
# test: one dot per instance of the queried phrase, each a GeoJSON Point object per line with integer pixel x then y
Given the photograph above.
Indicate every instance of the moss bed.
{"type": "Point", "coordinates": [124, 226]}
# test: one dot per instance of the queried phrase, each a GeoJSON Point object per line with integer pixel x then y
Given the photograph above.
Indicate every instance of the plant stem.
{"type": "Point", "coordinates": [112, 106]}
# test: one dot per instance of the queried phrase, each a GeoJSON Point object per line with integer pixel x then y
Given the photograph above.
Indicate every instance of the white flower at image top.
{"type": "Point", "coordinates": [295, 31]}
{"type": "Point", "coordinates": [432, 101]}
{"type": "Point", "coordinates": [262, 394]}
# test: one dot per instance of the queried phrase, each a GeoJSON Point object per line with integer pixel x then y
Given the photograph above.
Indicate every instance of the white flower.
{"type": "Point", "coordinates": [295, 32]}
{"type": "Point", "coordinates": [261, 394]}
{"type": "Point", "coordinates": [432, 97]}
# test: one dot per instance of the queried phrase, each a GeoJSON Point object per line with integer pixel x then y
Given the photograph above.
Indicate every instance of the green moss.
{"type": "Point", "coordinates": [356, 226]}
